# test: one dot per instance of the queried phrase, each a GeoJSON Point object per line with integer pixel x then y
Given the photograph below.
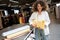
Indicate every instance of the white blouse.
{"type": "Point", "coordinates": [43, 16]}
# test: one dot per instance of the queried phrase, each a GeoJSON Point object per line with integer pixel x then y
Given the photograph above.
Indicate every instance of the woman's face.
{"type": "Point", "coordinates": [39, 7]}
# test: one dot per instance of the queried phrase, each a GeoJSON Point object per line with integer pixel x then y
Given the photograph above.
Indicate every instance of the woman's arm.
{"type": "Point", "coordinates": [47, 19]}
{"type": "Point", "coordinates": [31, 20]}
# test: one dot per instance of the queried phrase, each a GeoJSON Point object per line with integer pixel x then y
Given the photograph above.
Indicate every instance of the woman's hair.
{"type": "Point", "coordinates": [43, 4]}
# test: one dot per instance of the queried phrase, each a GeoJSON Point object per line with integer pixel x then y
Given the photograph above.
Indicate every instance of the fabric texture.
{"type": "Point", "coordinates": [43, 16]}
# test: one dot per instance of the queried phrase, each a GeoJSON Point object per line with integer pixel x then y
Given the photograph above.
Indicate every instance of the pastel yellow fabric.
{"type": "Point", "coordinates": [20, 20]}
{"type": "Point", "coordinates": [39, 24]}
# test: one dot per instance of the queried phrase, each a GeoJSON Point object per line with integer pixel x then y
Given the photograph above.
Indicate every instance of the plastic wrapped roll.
{"type": "Point", "coordinates": [17, 31]}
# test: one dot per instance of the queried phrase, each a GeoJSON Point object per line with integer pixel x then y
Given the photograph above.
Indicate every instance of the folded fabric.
{"type": "Point", "coordinates": [39, 24]}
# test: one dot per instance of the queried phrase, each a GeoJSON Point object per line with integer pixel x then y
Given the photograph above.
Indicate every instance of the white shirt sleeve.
{"type": "Point", "coordinates": [47, 19]}
{"type": "Point", "coordinates": [31, 18]}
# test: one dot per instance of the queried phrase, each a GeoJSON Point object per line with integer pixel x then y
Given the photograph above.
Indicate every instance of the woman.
{"type": "Point", "coordinates": [40, 13]}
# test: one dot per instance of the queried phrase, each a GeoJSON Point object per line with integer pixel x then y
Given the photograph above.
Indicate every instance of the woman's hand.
{"type": "Point", "coordinates": [33, 25]}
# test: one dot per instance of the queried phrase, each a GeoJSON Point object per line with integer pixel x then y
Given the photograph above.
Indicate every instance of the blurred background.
{"type": "Point", "coordinates": [16, 13]}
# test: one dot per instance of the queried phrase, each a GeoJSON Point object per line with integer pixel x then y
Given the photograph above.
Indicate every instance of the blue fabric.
{"type": "Point", "coordinates": [39, 35]}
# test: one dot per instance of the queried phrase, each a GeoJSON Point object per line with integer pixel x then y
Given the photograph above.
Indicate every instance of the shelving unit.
{"type": "Point", "coordinates": [0, 21]}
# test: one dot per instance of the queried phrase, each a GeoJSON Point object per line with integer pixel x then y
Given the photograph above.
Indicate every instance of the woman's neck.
{"type": "Point", "coordinates": [39, 12]}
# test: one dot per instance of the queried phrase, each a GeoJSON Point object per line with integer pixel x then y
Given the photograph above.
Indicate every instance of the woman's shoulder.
{"type": "Point", "coordinates": [44, 11]}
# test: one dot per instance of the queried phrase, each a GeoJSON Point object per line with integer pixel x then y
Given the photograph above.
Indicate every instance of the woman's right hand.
{"type": "Point", "coordinates": [34, 25]}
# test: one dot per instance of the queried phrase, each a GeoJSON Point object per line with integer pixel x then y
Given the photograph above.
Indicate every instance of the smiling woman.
{"type": "Point", "coordinates": [41, 17]}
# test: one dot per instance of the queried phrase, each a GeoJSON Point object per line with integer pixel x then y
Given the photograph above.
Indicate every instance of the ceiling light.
{"type": "Point", "coordinates": [14, 1]}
